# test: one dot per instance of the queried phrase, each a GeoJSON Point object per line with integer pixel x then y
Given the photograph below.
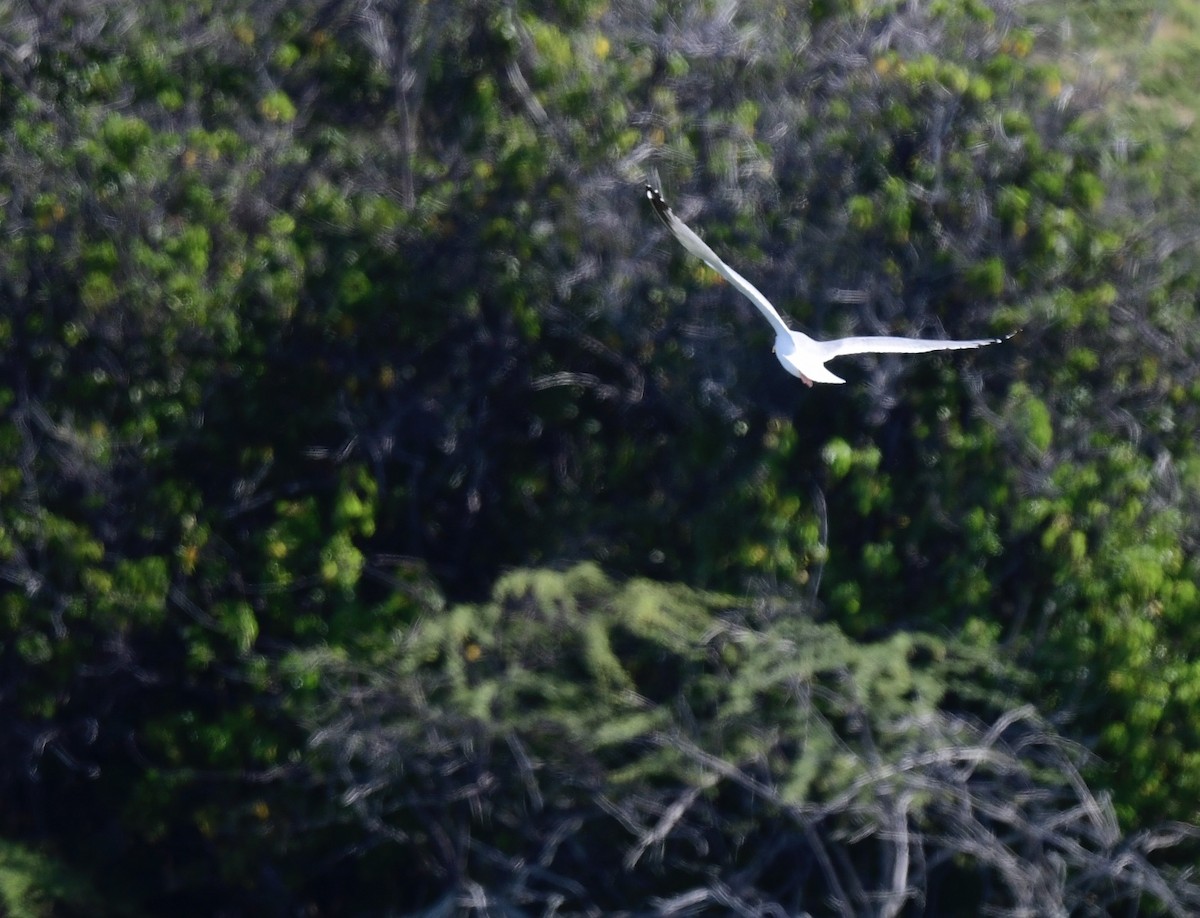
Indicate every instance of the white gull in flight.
{"type": "Point", "coordinates": [801, 355]}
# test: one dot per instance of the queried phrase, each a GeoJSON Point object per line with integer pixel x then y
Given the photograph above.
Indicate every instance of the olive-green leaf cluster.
{"type": "Point", "coordinates": [590, 747]}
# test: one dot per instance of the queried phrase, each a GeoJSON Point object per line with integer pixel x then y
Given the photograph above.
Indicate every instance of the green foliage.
{"type": "Point", "coordinates": [642, 741]}
{"type": "Point", "coordinates": [33, 886]}
{"type": "Point", "coordinates": [294, 347]}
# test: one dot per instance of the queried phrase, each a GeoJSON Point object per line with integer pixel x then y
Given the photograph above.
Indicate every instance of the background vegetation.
{"type": "Point", "coordinates": [394, 520]}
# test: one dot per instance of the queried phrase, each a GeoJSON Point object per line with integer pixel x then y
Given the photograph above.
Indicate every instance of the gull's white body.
{"type": "Point", "coordinates": [800, 355]}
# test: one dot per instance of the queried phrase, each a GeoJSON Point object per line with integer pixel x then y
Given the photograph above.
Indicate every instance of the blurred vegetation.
{"type": "Point", "coordinates": [335, 333]}
{"type": "Point", "coordinates": [31, 885]}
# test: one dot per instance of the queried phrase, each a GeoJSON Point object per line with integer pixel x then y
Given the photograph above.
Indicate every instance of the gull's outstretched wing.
{"type": "Point", "coordinates": [697, 247]}
{"type": "Point", "coordinates": [886, 345]}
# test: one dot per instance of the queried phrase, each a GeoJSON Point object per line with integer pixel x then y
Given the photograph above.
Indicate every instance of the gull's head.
{"type": "Point", "coordinates": [801, 357]}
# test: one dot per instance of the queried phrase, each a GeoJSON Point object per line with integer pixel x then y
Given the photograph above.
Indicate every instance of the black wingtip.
{"type": "Point", "coordinates": [654, 196]}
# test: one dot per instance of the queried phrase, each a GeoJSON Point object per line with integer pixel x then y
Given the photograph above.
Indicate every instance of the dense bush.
{"type": "Point", "coordinates": [320, 317]}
